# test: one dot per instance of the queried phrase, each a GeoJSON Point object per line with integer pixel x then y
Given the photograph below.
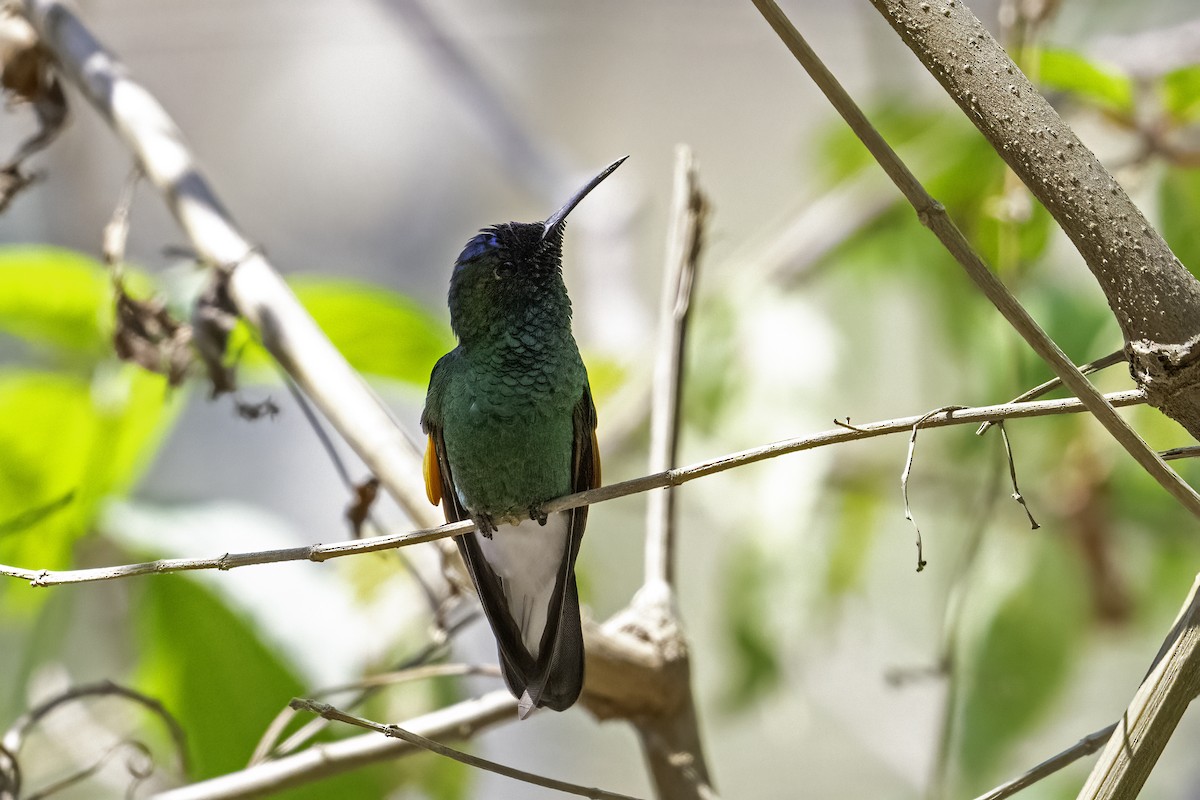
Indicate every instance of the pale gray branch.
{"type": "Point", "coordinates": [684, 241]}
{"type": "Point", "coordinates": [460, 721]}
{"type": "Point", "coordinates": [671, 739]}
{"type": "Point", "coordinates": [260, 294]}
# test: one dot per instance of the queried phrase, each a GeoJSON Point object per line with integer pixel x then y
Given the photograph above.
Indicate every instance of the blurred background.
{"type": "Point", "coordinates": [362, 143]}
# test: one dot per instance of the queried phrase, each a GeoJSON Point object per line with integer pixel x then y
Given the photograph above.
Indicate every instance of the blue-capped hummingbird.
{"type": "Point", "coordinates": [511, 424]}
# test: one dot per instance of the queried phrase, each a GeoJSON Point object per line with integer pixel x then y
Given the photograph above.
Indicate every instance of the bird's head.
{"type": "Point", "coordinates": [506, 269]}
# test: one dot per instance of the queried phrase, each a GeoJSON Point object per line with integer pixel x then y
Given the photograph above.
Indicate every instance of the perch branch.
{"type": "Point", "coordinates": [658, 480]}
{"type": "Point", "coordinates": [933, 215]}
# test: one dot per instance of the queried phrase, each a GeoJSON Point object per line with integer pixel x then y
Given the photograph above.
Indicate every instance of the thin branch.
{"type": "Point", "coordinates": [430, 594]}
{"type": "Point", "coordinates": [396, 732]}
{"type": "Point", "coordinates": [461, 721]}
{"type": "Point", "coordinates": [907, 471]}
{"type": "Point", "coordinates": [1012, 474]}
{"type": "Point", "coordinates": [1175, 453]}
{"type": "Point", "coordinates": [1084, 747]}
{"type": "Point", "coordinates": [658, 480]}
{"type": "Point", "coordinates": [138, 775]}
{"type": "Point", "coordinates": [316, 552]}
{"type": "Point", "coordinates": [414, 674]}
{"type": "Point", "coordinates": [1103, 362]}
{"type": "Point", "coordinates": [365, 688]}
{"type": "Point", "coordinates": [684, 241]}
{"type": "Point", "coordinates": [933, 215]}
{"type": "Point", "coordinates": [14, 737]}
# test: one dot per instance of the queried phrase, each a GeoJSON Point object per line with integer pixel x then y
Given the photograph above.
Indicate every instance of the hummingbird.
{"type": "Point", "coordinates": [511, 424]}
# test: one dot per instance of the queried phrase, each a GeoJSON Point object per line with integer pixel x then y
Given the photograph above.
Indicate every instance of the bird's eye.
{"type": "Point", "coordinates": [482, 243]}
{"type": "Point", "coordinates": [504, 270]}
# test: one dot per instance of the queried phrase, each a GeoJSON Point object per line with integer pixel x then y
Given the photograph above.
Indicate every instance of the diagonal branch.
{"type": "Point", "coordinates": [425, 743]}
{"type": "Point", "coordinates": [461, 720]}
{"type": "Point", "coordinates": [258, 291]}
{"type": "Point", "coordinates": [1084, 747]}
{"type": "Point", "coordinates": [933, 216]}
{"type": "Point", "coordinates": [1155, 300]}
{"type": "Point", "coordinates": [658, 480]}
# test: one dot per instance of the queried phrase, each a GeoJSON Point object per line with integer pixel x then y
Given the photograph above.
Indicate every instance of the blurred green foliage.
{"type": "Point", "coordinates": [352, 314]}
{"type": "Point", "coordinates": [78, 428]}
{"type": "Point", "coordinates": [1023, 607]}
{"type": "Point", "coordinates": [1020, 648]}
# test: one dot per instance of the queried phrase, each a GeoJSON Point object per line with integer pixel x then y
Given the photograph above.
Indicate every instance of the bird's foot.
{"type": "Point", "coordinates": [535, 512]}
{"type": "Point", "coordinates": [485, 525]}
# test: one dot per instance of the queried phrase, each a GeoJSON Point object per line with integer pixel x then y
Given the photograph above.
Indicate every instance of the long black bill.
{"type": "Point", "coordinates": [555, 220]}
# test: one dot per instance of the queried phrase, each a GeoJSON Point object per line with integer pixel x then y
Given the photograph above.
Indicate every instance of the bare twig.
{"type": "Point", "coordinates": [1052, 384]}
{"type": "Point", "coordinates": [684, 241]}
{"type": "Point", "coordinates": [461, 720]}
{"type": "Point", "coordinates": [658, 480]}
{"type": "Point", "coordinates": [1175, 453]}
{"type": "Point", "coordinates": [907, 471]}
{"type": "Point", "coordinates": [435, 648]}
{"type": "Point", "coordinates": [1084, 747]}
{"type": "Point", "coordinates": [1012, 474]}
{"type": "Point", "coordinates": [137, 773]}
{"type": "Point", "coordinates": [933, 215]}
{"type": "Point", "coordinates": [671, 739]}
{"type": "Point", "coordinates": [396, 732]}
{"type": "Point", "coordinates": [116, 232]}
{"type": "Point", "coordinates": [364, 688]}
{"type": "Point", "coordinates": [14, 737]}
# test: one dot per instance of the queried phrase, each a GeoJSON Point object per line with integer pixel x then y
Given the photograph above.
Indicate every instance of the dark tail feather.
{"type": "Point", "coordinates": [561, 681]}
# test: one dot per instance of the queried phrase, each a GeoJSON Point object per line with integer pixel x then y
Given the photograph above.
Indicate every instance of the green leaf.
{"type": "Point", "coordinates": [1179, 204]}
{"type": "Point", "coordinates": [1068, 71]}
{"type": "Point", "coordinates": [57, 297]}
{"type": "Point", "coordinates": [853, 537]}
{"type": "Point", "coordinates": [208, 667]}
{"type": "Point", "coordinates": [748, 594]}
{"type": "Point", "coordinates": [1181, 93]}
{"type": "Point", "coordinates": [65, 445]}
{"type": "Point", "coordinates": [1018, 653]}
{"type": "Point", "coordinates": [380, 332]}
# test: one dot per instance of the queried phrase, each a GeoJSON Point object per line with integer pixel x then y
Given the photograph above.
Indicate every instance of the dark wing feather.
{"type": "Point", "coordinates": [562, 676]}
{"type": "Point", "coordinates": [555, 679]}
